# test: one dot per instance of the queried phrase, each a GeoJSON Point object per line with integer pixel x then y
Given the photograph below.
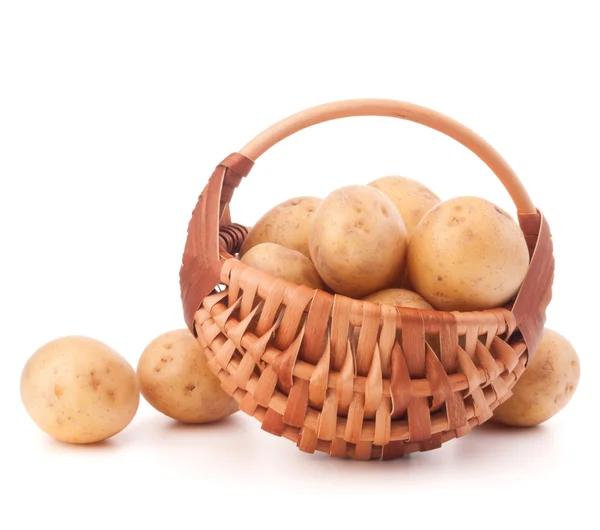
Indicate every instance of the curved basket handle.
{"type": "Point", "coordinates": [405, 111]}
{"type": "Point", "coordinates": [202, 259]}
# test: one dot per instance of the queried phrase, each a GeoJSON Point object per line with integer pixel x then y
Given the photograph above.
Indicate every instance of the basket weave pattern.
{"type": "Point", "coordinates": [352, 378]}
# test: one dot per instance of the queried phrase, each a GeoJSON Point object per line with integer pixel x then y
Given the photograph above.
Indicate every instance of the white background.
{"type": "Point", "coordinates": [113, 115]}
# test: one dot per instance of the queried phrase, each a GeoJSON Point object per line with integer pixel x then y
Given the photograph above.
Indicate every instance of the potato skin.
{"type": "Point", "coordinates": [546, 386]}
{"type": "Point", "coordinates": [467, 254]}
{"type": "Point", "coordinates": [357, 241]}
{"type": "Point", "coordinates": [176, 380]}
{"type": "Point", "coordinates": [285, 263]}
{"type": "Point", "coordinates": [79, 390]}
{"type": "Point", "coordinates": [399, 298]}
{"type": "Point", "coordinates": [286, 224]}
{"type": "Point", "coordinates": [412, 199]}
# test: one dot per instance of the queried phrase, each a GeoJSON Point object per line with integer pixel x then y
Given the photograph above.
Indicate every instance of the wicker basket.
{"type": "Point", "coordinates": [352, 378]}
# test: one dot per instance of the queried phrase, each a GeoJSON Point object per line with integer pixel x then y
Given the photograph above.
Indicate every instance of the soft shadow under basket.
{"type": "Point", "coordinates": [352, 378]}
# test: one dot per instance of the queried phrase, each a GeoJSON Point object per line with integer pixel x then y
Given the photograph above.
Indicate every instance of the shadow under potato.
{"type": "Point", "coordinates": [491, 428]}
{"type": "Point", "coordinates": [226, 424]}
{"type": "Point", "coordinates": [103, 445]}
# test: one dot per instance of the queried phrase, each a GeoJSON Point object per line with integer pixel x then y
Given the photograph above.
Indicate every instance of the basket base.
{"type": "Point", "coordinates": [239, 381]}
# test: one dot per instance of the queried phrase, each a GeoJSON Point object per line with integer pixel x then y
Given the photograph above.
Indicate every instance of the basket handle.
{"type": "Point", "coordinates": [405, 111]}
{"type": "Point", "coordinates": [205, 250]}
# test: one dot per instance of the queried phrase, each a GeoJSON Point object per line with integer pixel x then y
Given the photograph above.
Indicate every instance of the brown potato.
{"type": "Point", "coordinates": [79, 390]}
{"type": "Point", "coordinates": [467, 254]}
{"type": "Point", "coordinates": [546, 386]}
{"type": "Point", "coordinates": [412, 199]}
{"type": "Point", "coordinates": [282, 262]}
{"type": "Point", "coordinates": [357, 241]}
{"type": "Point", "coordinates": [400, 298]}
{"type": "Point", "coordinates": [286, 224]}
{"type": "Point", "coordinates": [176, 380]}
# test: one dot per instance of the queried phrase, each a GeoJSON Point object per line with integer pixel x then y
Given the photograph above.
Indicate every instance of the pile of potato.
{"type": "Point", "coordinates": [391, 242]}
{"type": "Point", "coordinates": [394, 241]}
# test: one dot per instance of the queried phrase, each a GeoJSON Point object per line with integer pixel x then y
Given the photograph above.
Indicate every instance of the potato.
{"type": "Point", "coordinates": [546, 386]}
{"type": "Point", "coordinates": [467, 254]}
{"type": "Point", "coordinates": [412, 199]}
{"type": "Point", "coordinates": [176, 380]}
{"type": "Point", "coordinates": [286, 224]}
{"type": "Point", "coordinates": [399, 297]}
{"type": "Point", "coordinates": [79, 390]}
{"type": "Point", "coordinates": [357, 241]}
{"type": "Point", "coordinates": [282, 262]}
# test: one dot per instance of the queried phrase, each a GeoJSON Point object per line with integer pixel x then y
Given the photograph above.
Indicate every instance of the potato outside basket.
{"type": "Point", "coordinates": [352, 378]}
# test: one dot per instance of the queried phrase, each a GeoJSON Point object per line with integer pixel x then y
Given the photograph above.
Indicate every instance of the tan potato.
{"type": "Point", "coordinates": [546, 386]}
{"type": "Point", "coordinates": [176, 380]}
{"type": "Point", "coordinates": [467, 254]}
{"type": "Point", "coordinates": [400, 298]}
{"type": "Point", "coordinates": [79, 390]}
{"type": "Point", "coordinates": [286, 224]}
{"type": "Point", "coordinates": [357, 241]}
{"type": "Point", "coordinates": [412, 198]}
{"type": "Point", "coordinates": [282, 262]}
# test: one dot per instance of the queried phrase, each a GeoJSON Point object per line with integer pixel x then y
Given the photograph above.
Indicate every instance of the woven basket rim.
{"type": "Point", "coordinates": [463, 317]}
